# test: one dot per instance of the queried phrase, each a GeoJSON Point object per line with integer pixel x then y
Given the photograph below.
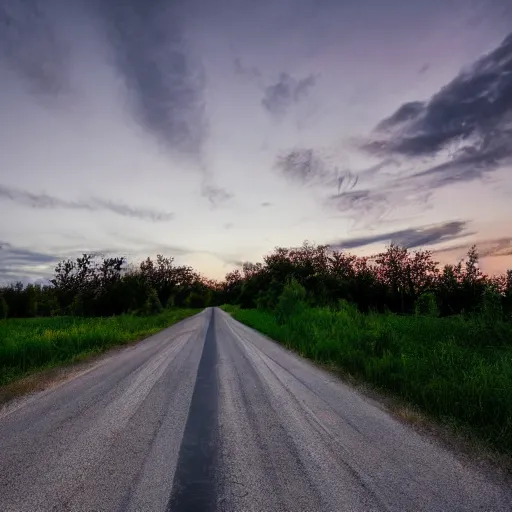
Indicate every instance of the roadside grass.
{"type": "Point", "coordinates": [454, 369]}
{"type": "Point", "coordinates": [33, 344]}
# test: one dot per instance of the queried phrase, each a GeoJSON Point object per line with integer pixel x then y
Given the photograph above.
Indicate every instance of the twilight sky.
{"type": "Point", "coordinates": [215, 130]}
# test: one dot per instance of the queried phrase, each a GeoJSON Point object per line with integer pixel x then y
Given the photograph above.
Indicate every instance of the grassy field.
{"type": "Point", "coordinates": [31, 344]}
{"type": "Point", "coordinates": [454, 369]}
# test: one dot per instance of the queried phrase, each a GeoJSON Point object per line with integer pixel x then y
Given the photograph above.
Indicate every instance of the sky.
{"type": "Point", "coordinates": [213, 131]}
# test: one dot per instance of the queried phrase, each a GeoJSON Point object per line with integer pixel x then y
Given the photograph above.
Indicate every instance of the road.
{"type": "Point", "coordinates": [208, 415]}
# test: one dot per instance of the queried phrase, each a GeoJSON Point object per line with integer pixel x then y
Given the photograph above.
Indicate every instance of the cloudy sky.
{"type": "Point", "coordinates": [215, 130]}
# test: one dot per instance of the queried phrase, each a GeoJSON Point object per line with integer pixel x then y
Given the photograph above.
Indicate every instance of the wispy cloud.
{"type": "Point", "coordinates": [24, 264]}
{"type": "Point", "coordinates": [305, 166]}
{"type": "Point", "coordinates": [46, 202]}
{"type": "Point", "coordinates": [31, 45]}
{"type": "Point", "coordinates": [249, 72]}
{"type": "Point", "coordinates": [287, 91]}
{"type": "Point", "coordinates": [363, 204]}
{"type": "Point", "coordinates": [165, 81]}
{"type": "Point", "coordinates": [215, 194]}
{"type": "Point", "coordinates": [411, 238]}
{"type": "Point", "coordinates": [486, 247]}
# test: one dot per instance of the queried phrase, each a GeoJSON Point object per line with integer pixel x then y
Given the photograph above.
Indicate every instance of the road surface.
{"type": "Point", "coordinates": [208, 415]}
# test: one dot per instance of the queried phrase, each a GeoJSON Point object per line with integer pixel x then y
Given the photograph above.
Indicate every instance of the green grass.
{"type": "Point", "coordinates": [456, 370]}
{"type": "Point", "coordinates": [31, 344]}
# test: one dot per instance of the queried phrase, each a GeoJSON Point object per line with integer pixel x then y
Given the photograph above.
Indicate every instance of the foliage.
{"type": "Point", "coordinates": [90, 286]}
{"type": "Point", "coordinates": [395, 280]}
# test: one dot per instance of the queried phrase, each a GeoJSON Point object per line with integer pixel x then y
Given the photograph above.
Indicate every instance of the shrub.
{"type": "Point", "coordinates": [426, 305]}
{"type": "Point", "coordinates": [491, 310]}
{"type": "Point", "coordinates": [291, 301]}
{"type": "Point", "coordinates": [152, 306]}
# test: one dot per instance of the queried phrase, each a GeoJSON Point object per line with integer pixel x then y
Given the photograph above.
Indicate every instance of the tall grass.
{"type": "Point", "coordinates": [31, 344]}
{"type": "Point", "coordinates": [456, 369]}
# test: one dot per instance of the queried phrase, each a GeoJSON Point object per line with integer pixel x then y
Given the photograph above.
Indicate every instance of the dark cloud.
{"type": "Point", "coordinates": [467, 164]}
{"type": "Point", "coordinates": [410, 238]}
{"type": "Point", "coordinates": [32, 47]}
{"type": "Point", "coordinates": [279, 97]}
{"type": "Point", "coordinates": [407, 112]}
{"type": "Point", "coordinates": [165, 82]}
{"type": "Point", "coordinates": [468, 123]}
{"type": "Point", "coordinates": [266, 204]}
{"type": "Point", "coordinates": [46, 202]}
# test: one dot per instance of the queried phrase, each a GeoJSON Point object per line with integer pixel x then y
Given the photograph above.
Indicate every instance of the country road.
{"type": "Point", "coordinates": [208, 415]}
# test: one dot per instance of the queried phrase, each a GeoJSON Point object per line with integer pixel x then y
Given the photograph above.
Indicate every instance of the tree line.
{"type": "Point", "coordinates": [396, 280]}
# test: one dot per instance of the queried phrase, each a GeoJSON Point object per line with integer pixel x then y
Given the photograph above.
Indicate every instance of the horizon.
{"type": "Point", "coordinates": [213, 133]}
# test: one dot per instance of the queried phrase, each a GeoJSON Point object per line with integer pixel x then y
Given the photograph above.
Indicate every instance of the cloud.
{"type": "Point", "coordinates": [47, 202]}
{"type": "Point", "coordinates": [363, 203]}
{"type": "Point", "coordinates": [350, 192]}
{"type": "Point", "coordinates": [31, 46]}
{"type": "Point", "coordinates": [304, 166]}
{"type": "Point", "coordinates": [424, 68]}
{"type": "Point", "coordinates": [410, 238]}
{"type": "Point", "coordinates": [279, 97]}
{"type": "Point", "coordinates": [467, 125]}
{"type": "Point", "coordinates": [250, 72]}
{"type": "Point", "coordinates": [9, 253]}
{"type": "Point", "coordinates": [24, 264]}
{"type": "Point", "coordinates": [266, 204]}
{"type": "Point", "coordinates": [486, 248]}
{"type": "Point", "coordinates": [165, 82]}
{"type": "Point", "coordinates": [216, 195]}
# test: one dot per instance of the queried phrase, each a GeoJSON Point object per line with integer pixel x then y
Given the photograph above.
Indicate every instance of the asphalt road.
{"type": "Point", "coordinates": [208, 416]}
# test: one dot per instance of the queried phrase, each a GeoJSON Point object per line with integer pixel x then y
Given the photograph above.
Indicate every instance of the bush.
{"type": "Point", "coordinates": [152, 306]}
{"type": "Point", "coordinates": [426, 305]}
{"type": "Point", "coordinates": [491, 310]}
{"type": "Point", "coordinates": [291, 301]}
